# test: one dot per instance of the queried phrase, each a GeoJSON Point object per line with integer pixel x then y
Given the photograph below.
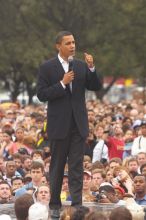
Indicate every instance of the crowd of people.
{"type": "Point", "coordinates": [114, 160]}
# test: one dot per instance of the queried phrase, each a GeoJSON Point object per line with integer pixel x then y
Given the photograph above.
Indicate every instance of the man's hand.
{"type": "Point", "coordinates": [89, 60]}
{"type": "Point", "coordinates": [68, 77]}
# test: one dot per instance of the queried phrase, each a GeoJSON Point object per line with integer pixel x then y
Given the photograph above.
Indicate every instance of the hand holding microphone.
{"type": "Point", "coordinates": [69, 76]}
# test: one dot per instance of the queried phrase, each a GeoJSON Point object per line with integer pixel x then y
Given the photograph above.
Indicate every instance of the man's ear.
{"type": "Point", "coordinates": [57, 46]}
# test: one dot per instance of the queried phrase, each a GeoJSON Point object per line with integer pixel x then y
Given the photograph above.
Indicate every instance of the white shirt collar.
{"type": "Point", "coordinates": [61, 59]}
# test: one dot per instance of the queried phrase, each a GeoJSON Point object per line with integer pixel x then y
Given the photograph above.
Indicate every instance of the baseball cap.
{"type": "Point", "coordinates": [87, 172]}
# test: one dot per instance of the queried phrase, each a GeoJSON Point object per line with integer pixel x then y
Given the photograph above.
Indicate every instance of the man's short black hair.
{"type": "Point", "coordinates": [60, 35]}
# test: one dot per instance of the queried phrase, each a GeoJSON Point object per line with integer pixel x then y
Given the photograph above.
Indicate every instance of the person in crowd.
{"type": "Point", "coordinates": [87, 194]}
{"type": "Point", "coordinates": [122, 212]}
{"type": "Point", "coordinates": [64, 90]}
{"type": "Point", "coordinates": [109, 175]}
{"type": "Point", "coordinates": [21, 206]}
{"type": "Point", "coordinates": [19, 135]}
{"type": "Point", "coordinates": [133, 167]}
{"type": "Point", "coordinates": [115, 162]}
{"type": "Point", "coordinates": [143, 169]}
{"type": "Point", "coordinates": [65, 190]}
{"type": "Point", "coordinates": [116, 142]}
{"type": "Point", "coordinates": [37, 171]}
{"type": "Point", "coordinates": [139, 183]}
{"type": "Point", "coordinates": [6, 144]}
{"type": "Point", "coordinates": [100, 150]}
{"type": "Point", "coordinates": [122, 179]}
{"type": "Point", "coordinates": [128, 139]}
{"type": "Point", "coordinates": [45, 179]}
{"type": "Point", "coordinates": [108, 195]}
{"type": "Point", "coordinates": [26, 164]}
{"type": "Point", "coordinates": [43, 194]}
{"type": "Point", "coordinates": [16, 183]}
{"type": "Point", "coordinates": [10, 171]}
{"type": "Point", "coordinates": [5, 193]}
{"type": "Point", "coordinates": [17, 158]}
{"type": "Point", "coordinates": [139, 142]}
{"type": "Point", "coordinates": [87, 163]}
{"type": "Point", "coordinates": [98, 177]}
{"type": "Point", "coordinates": [37, 155]}
{"type": "Point", "coordinates": [141, 158]}
{"type": "Point", "coordinates": [38, 211]}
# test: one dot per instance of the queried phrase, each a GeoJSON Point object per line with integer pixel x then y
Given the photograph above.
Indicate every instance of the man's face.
{"type": "Point", "coordinates": [118, 129]}
{"type": "Point", "coordinates": [27, 164]}
{"type": "Point", "coordinates": [5, 192]}
{"type": "Point", "coordinates": [97, 179]}
{"type": "Point", "coordinates": [18, 162]}
{"type": "Point", "coordinates": [113, 165]}
{"type": "Point", "coordinates": [139, 184]}
{"type": "Point", "coordinates": [144, 171]}
{"type": "Point", "coordinates": [67, 47]}
{"type": "Point", "coordinates": [133, 166]}
{"type": "Point", "coordinates": [17, 183]}
{"type": "Point", "coordinates": [43, 194]}
{"type": "Point", "coordinates": [86, 181]}
{"type": "Point", "coordinates": [36, 175]}
{"type": "Point", "coordinates": [141, 159]}
{"type": "Point", "coordinates": [10, 168]}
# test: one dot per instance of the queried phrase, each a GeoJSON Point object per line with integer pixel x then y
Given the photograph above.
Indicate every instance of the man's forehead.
{"type": "Point", "coordinates": [139, 178]}
{"type": "Point", "coordinates": [68, 38]}
{"type": "Point", "coordinates": [36, 169]}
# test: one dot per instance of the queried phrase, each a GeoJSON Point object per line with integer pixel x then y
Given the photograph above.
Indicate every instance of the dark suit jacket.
{"type": "Point", "coordinates": [62, 104]}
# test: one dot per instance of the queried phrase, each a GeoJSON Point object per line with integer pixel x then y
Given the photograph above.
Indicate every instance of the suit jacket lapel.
{"type": "Point", "coordinates": [58, 68]}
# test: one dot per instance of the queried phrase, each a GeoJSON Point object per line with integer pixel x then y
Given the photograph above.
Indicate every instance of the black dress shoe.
{"type": "Point", "coordinates": [54, 213]}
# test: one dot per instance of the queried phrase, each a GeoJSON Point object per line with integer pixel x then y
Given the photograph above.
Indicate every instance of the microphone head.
{"type": "Point", "coordinates": [70, 61]}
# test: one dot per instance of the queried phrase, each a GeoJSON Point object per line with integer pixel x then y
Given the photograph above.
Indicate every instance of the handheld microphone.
{"type": "Point", "coordinates": [70, 61]}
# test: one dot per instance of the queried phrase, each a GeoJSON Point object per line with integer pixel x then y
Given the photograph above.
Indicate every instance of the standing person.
{"type": "Point", "coordinates": [62, 82]}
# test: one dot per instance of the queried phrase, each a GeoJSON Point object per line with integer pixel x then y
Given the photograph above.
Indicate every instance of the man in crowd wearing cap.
{"type": "Point", "coordinates": [108, 195]}
{"type": "Point", "coordinates": [87, 194]}
{"type": "Point", "coordinates": [139, 143]}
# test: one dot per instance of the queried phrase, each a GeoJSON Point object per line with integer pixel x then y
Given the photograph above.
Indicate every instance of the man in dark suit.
{"type": "Point", "coordinates": [64, 90]}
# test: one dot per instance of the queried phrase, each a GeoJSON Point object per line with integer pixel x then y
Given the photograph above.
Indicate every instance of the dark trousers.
{"type": "Point", "coordinates": [71, 150]}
